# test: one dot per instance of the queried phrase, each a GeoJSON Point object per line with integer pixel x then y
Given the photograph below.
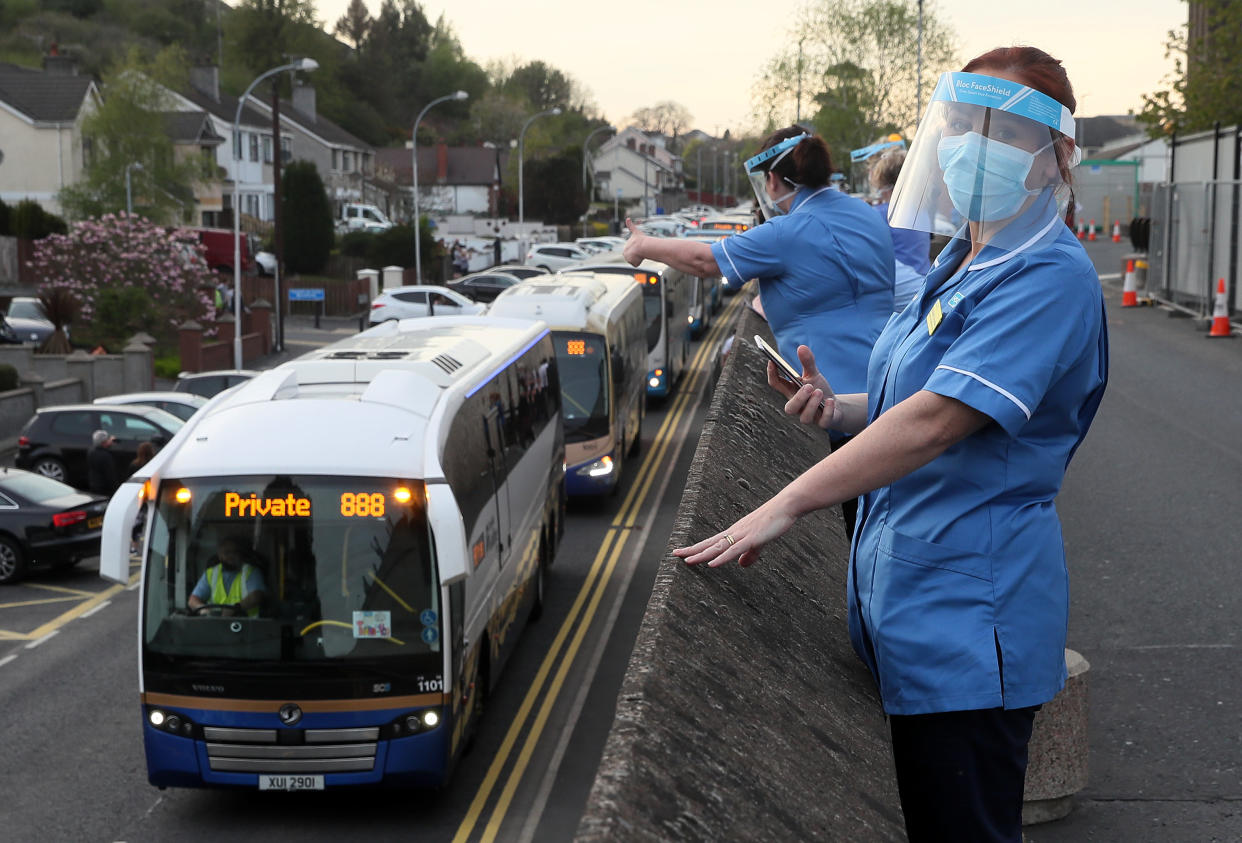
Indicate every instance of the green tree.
{"type": "Point", "coordinates": [354, 25]}
{"type": "Point", "coordinates": [863, 49]}
{"type": "Point", "coordinates": [307, 215]}
{"type": "Point", "coordinates": [129, 128]}
{"type": "Point", "coordinates": [553, 188]}
{"type": "Point", "coordinates": [667, 117]}
{"type": "Point", "coordinates": [265, 31]}
{"type": "Point", "coordinates": [1205, 85]}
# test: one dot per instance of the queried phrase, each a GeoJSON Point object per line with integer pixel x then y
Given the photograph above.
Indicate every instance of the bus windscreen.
{"type": "Point", "coordinates": [282, 568]}
{"type": "Point", "coordinates": [582, 363]}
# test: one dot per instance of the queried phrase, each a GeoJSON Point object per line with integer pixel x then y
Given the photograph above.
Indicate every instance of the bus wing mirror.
{"type": "Point", "coordinates": [118, 528]}
{"type": "Point", "coordinates": [452, 556]}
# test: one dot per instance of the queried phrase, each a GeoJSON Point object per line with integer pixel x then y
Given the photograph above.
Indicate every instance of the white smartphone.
{"type": "Point", "coordinates": [783, 368]}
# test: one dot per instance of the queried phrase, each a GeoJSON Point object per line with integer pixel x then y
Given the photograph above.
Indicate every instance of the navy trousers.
{"type": "Point", "coordinates": [961, 773]}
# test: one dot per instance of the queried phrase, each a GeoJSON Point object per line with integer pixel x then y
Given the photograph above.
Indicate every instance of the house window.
{"type": "Point", "coordinates": [336, 159]}
{"type": "Point", "coordinates": [254, 147]}
{"type": "Point", "coordinates": [88, 151]}
{"type": "Point", "coordinates": [286, 150]}
{"type": "Point", "coordinates": [267, 149]}
{"type": "Point", "coordinates": [347, 162]}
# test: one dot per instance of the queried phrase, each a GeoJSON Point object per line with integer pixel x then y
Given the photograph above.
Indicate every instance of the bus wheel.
{"type": "Point", "coordinates": [536, 609]}
{"type": "Point", "coordinates": [480, 700]}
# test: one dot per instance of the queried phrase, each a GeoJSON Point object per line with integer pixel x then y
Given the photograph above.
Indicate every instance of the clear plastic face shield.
{"type": "Point", "coordinates": [989, 152]}
{"type": "Point", "coordinates": [757, 169]}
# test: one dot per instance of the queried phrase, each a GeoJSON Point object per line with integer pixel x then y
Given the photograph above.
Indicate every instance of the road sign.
{"type": "Point", "coordinates": [306, 294]}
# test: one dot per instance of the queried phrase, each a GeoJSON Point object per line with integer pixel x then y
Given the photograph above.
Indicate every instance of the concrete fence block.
{"type": "Point", "coordinates": [34, 382]}
{"type": "Point", "coordinates": [744, 713]}
{"type": "Point", "coordinates": [138, 367]}
{"type": "Point", "coordinates": [81, 366]}
{"type": "Point", "coordinates": [1057, 757]}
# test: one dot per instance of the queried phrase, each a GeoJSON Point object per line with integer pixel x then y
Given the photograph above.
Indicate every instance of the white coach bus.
{"type": "Point", "coordinates": [600, 339]}
{"type": "Point", "coordinates": [385, 508]}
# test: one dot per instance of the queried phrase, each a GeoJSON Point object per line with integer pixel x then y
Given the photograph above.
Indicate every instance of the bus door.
{"type": "Point", "coordinates": [494, 435]}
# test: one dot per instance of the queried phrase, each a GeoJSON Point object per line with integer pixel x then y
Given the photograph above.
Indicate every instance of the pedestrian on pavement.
{"type": "Point", "coordinates": [978, 395]}
{"type": "Point", "coordinates": [824, 261]}
{"type": "Point", "coordinates": [100, 466]}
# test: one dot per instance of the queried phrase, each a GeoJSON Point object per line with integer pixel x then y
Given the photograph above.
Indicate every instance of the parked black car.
{"type": "Point", "coordinates": [208, 384]}
{"type": "Point", "coordinates": [55, 440]}
{"type": "Point", "coordinates": [483, 286]}
{"type": "Point", "coordinates": [44, 523]}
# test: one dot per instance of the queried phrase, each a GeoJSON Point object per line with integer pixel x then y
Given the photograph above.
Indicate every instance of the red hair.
{"type": "Point", "coordinates": [1033, 67]}
{"type": "Point", "coordinates": [1036, 69]}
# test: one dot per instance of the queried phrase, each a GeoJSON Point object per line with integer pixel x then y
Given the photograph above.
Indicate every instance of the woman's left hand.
{"type": "Point", "coordinates": [743, 540]}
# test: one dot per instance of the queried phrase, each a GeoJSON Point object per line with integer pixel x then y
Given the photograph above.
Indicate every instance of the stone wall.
{"type": "Point", "coordinates": [744, 713]}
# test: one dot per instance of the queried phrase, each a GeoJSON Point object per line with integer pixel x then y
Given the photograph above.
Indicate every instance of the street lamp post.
{"type": "Point", "coordinates": [585, 147]}
{"type": "Point", "coordinates": [300, 64]}
{"type": "Point", "coordinates": [521, 166]}
{"type": "Point", "coordinates": [129, 192]}
{"type": "Point", "coordinates": [456, 96]}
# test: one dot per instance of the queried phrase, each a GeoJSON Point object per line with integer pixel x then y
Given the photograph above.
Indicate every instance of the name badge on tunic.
{"type": "Point", "coordinates": [933, 318]}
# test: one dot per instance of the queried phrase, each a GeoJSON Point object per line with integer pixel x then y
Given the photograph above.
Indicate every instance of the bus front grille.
{"type": "Point", "coordinates": [319, 750]}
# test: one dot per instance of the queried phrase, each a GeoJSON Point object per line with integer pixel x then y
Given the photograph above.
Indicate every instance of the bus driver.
{"type": "Point", "coordinates": [231, 582]}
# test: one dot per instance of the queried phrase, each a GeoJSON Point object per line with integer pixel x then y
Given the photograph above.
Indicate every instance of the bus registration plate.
{"type": "Point", "coordinates": [271, 782]}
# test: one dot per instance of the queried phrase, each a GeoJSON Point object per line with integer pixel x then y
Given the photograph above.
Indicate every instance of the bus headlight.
{"type": "Point", "coordinates": [601, 467]}
{"type": "Point", "coordinates": [413, 723]}
{"type": "Point", "coordinates": [654, 383]}
{"type": "Point", "coordinates": [156, 717]}
{"type": "Point", "coordinates": [171, 722]}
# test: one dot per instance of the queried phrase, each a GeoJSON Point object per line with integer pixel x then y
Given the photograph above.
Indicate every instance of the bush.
{"type": "Point", "coordinates": [6, 214]}
{"type": "Point", "coordinates": [168, 365]}
{"type": "Point", "coordinates": [8, 377]}
{"type": "Point", "coordinates": [30, 222]}
{"type": "Point", "coordinates": [356, 244]}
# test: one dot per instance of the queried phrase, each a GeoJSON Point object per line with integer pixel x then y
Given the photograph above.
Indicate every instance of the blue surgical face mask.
{"type": "Point", "coordinates": [986, 178]}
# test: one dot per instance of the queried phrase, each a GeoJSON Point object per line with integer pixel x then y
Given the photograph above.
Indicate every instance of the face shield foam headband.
{"type": "Point", "coordinates": [757, 169]}
{"type": "Point", "coordinates": [982, 141]}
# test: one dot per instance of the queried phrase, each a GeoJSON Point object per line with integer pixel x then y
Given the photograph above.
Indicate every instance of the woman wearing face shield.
{"type": "Point", "coordinates": [910, 248]}
{"type": "Point", "coordinates": [978, 394]}
{"type": "Point", "coordinates": [824, 260]}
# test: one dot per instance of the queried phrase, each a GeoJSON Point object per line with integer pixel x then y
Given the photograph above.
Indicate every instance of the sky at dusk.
{"type": "Point", "coordinates": [627, 56]}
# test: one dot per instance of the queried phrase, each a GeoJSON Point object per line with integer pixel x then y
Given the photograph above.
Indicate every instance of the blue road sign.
{"type": "Point", "coordinates": [306, 294]}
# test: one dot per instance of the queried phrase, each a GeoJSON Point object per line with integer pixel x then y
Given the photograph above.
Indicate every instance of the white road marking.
{"type": "Point", "coordinates": [97, 608]}
{"type": "Point", "coordinates": [7, 659]}
{"type": "Point", "coordinates": [39, 641]}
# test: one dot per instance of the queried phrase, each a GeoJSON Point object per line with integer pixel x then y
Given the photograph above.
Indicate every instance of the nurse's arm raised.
{"type": "Point", "coordinates": [903, 439]}
{"type": "Point", "coordinates": [684, 255]}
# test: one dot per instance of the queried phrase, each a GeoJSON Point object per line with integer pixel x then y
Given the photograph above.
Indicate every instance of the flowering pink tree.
{"type": "Point", "coordinates": [128, 274]}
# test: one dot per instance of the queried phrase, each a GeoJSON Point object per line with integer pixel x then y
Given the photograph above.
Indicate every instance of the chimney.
{"type": "Point", "coordinates": [54, 64]}
{"type": "Point", "coordinates": [206, 80]}
{"type": "Point", "coordinates": [304, 99]}
{"type": "Point", "coordinates": [441, 162]}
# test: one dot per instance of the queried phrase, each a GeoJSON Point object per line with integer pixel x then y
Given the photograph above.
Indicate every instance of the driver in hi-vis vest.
{"type": "Point", "coordinates": [231, 584]}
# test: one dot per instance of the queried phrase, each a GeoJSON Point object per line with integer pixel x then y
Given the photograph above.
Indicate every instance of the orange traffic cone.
{"type": "Point", "coordinates": [1116, 231]}
{"type": "Point", "coordinates": [1082, 229]}
{"type": "Point", "coordinates": [1129, 293]}
{"type": "Point", "coordinates": [1220, 313]}
{"type": "Point", "coordinates": [1091, 231]}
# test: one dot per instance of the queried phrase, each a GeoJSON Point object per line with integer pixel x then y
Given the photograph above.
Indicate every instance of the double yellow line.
{"type": "Point", "coordinates": [590, 595]}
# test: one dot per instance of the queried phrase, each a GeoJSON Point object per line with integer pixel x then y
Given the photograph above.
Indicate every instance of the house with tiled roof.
{"type": "Point", "coordinates": [345, 162]}
{"type": "Point", "coordinates": [41, 114]}
{"type": "Point", "coordinates": [452, 180]}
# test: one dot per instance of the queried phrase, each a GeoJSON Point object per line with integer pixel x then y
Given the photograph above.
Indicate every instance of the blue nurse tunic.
{"type": "Point", "coordinates": [825, 275]}
{"type": "Point", "coordinates": [958, 589]}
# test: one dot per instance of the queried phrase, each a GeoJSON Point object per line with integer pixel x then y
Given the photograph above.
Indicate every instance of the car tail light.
{"type": "Point", "coordinates": [65, 519]}
{"type": "Point", "coordinates": [23, 441]}
{"type": "Point", "coordinates": [376, 305]}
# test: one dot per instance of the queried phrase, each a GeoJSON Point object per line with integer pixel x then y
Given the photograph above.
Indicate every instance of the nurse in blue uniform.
{"type": "Point", "coordinates": [824, 261]}
{"type": "Point", "coordinates": [977, 396]}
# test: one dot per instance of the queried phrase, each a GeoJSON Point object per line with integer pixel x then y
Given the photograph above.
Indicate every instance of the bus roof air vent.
{"type": "Point", "coordinates": [447, 363]}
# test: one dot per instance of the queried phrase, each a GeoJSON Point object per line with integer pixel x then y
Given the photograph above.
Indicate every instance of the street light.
{"type": "Point", "coordinates": [585, 145]}
{"type": "Point", "coordinates": [300, 64]}
{"type": "Point", "coordinates": [521, 156]}
{"type": "Point", "coordinates": [129, 192]}
{"type": "Point", "coordinates": [456, 96]}
{"type": "Point", "coordinates": [496, 145]}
